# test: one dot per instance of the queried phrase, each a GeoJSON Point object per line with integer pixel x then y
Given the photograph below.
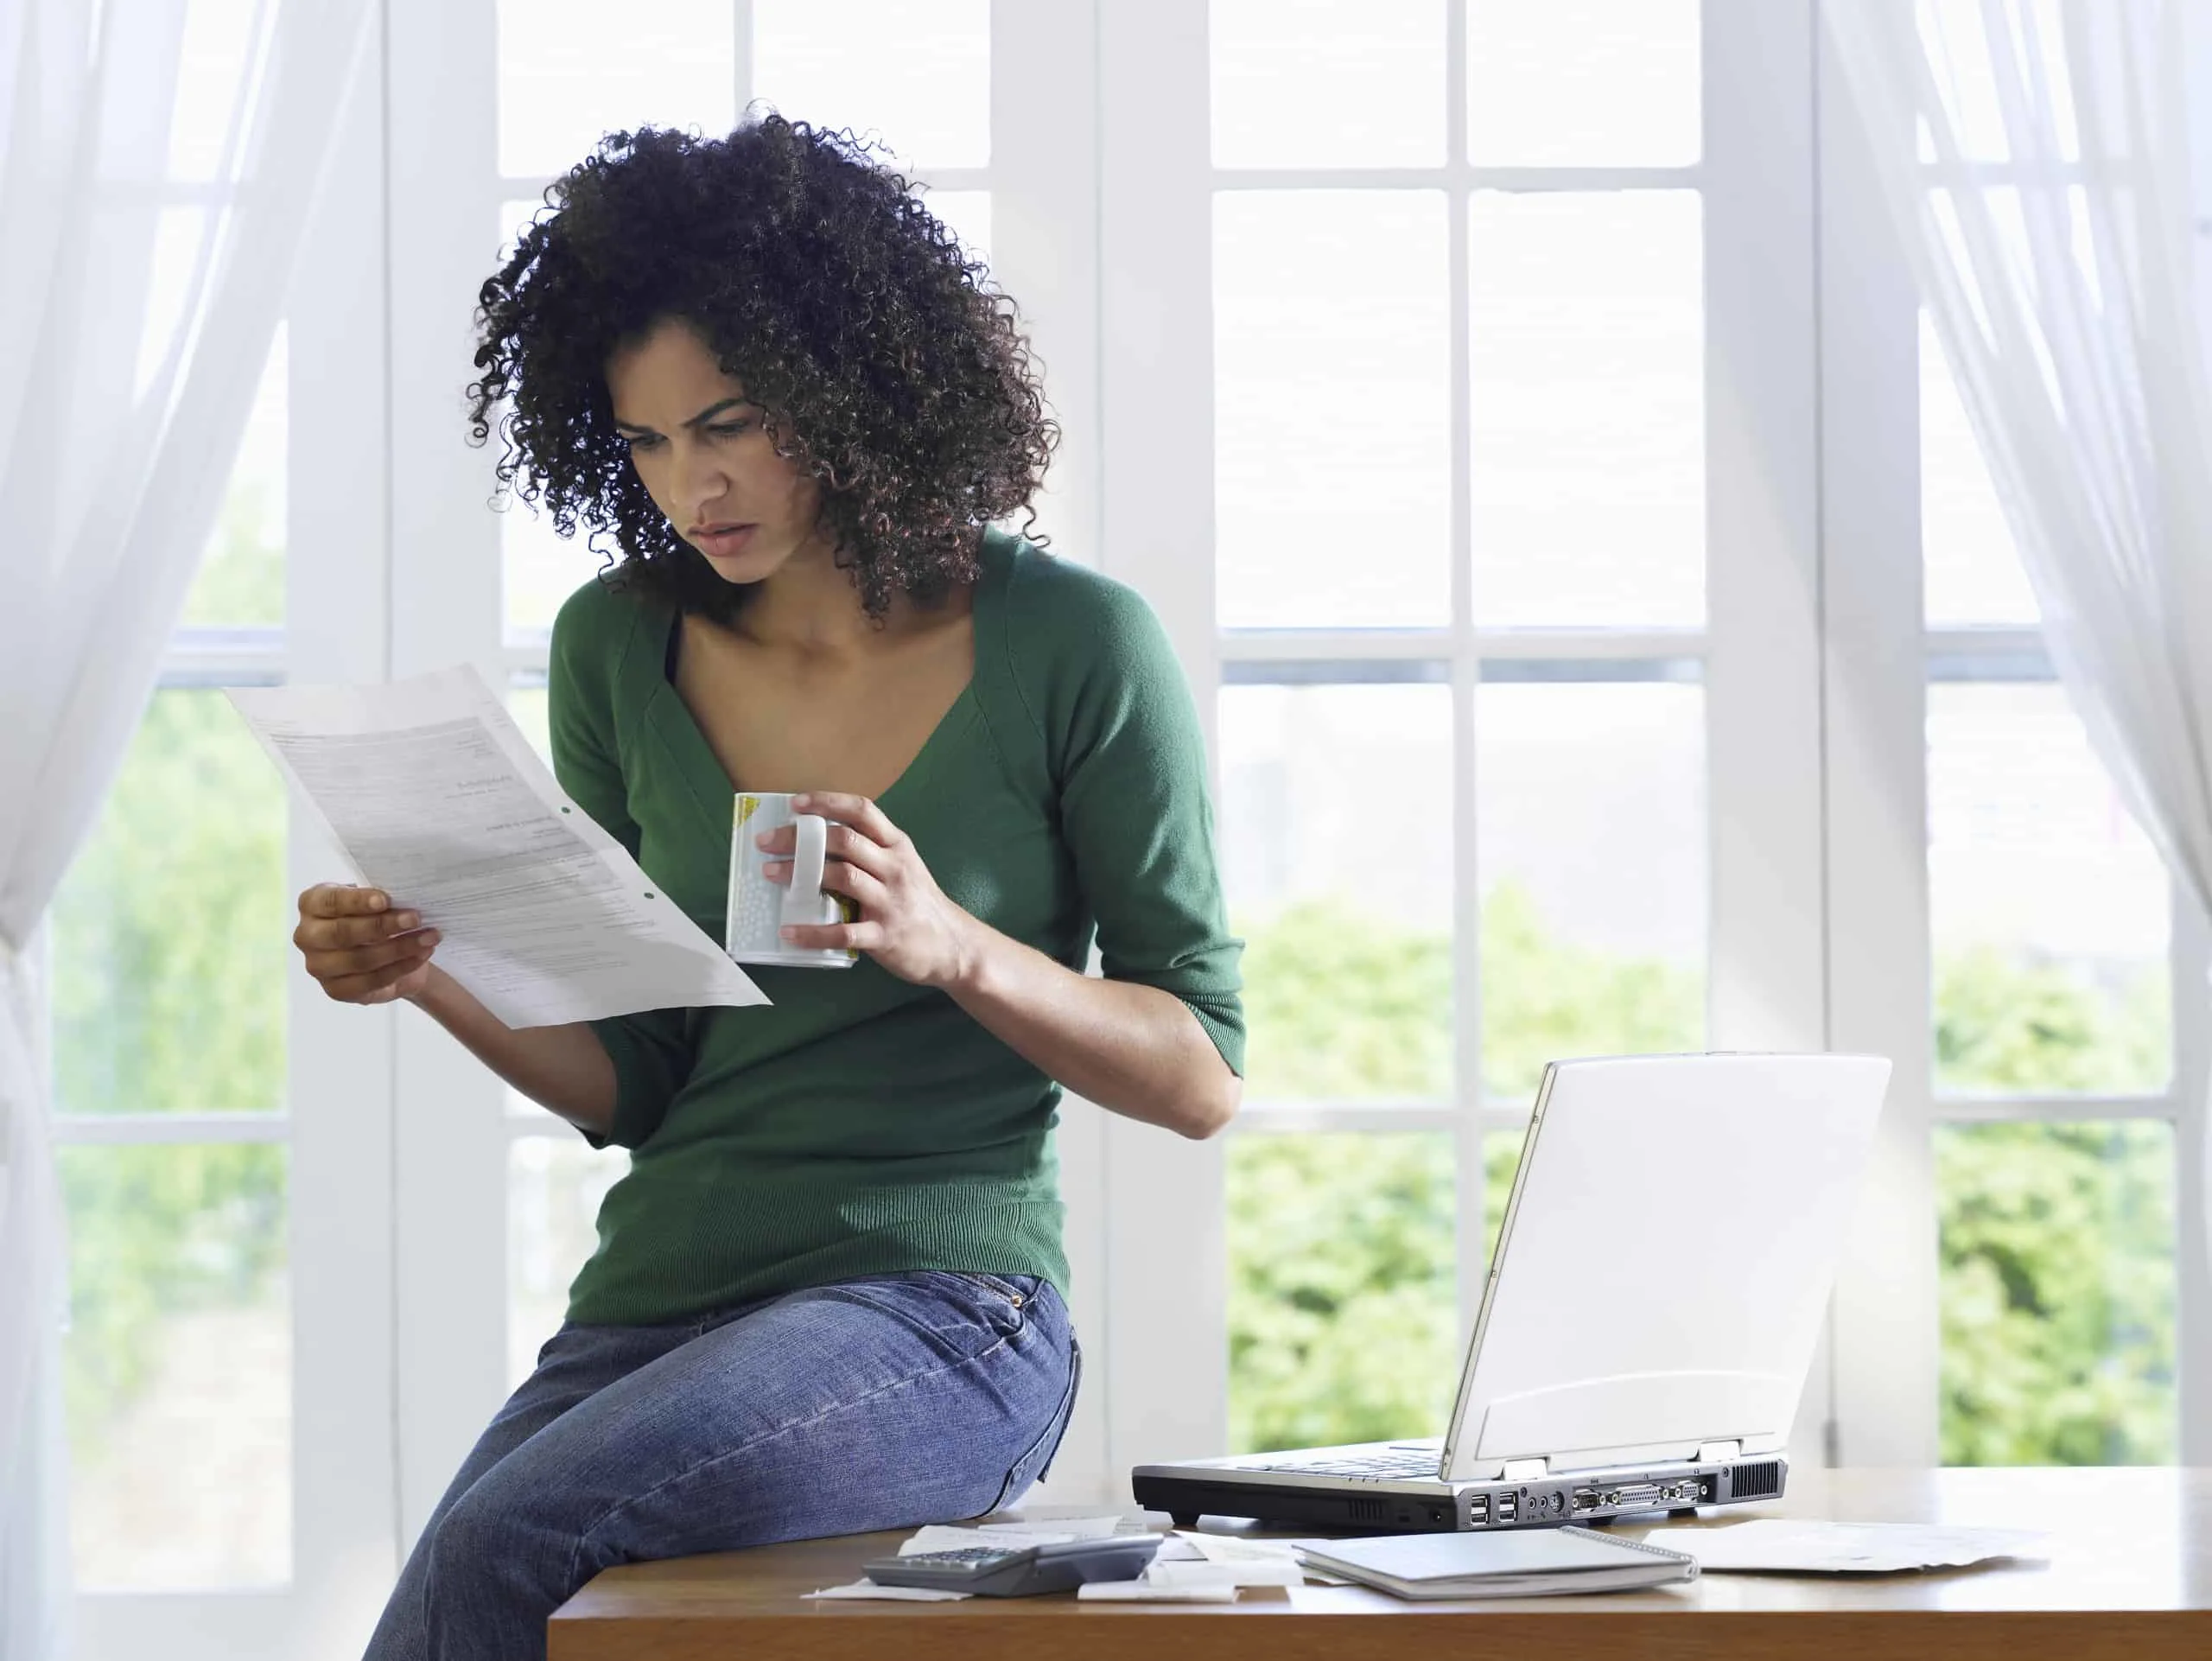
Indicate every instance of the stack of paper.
{"type": "Point", "coordinates": [1532, 1562]}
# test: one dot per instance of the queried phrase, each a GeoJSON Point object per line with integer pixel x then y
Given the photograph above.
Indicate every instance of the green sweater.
{"type": "Point", "coordinates": [863, 1125]}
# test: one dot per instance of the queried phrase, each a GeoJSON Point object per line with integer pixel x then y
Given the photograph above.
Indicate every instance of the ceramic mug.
{"type": "Point", "coordinates": [759, 909]}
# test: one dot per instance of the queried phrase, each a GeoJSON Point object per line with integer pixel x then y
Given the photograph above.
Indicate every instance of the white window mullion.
{"type": "Point", "coordinates": [1884, 1322]}
{"type": "Point", "coordinates": [1167, 1361]}
{"type": "Point", "coordinates": [1767, 981]}
{"type": "Point", "coordinates": [1470, 1233]}
{"type": "Point", "coordinates": [340, 1066]}
{"type": "Point", "coordinates": [444, 195]}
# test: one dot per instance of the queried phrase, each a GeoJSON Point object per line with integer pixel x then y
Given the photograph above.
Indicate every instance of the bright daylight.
{"type": "Point", "coordinates": [826, 824]}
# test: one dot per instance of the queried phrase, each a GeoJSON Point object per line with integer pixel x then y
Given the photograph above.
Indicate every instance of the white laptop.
{"type": "Point", "coordinates": [1652, 1307]}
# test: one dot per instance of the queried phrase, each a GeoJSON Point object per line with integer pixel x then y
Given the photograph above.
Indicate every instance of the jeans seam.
{"type": "Point", "coordinates": [607, 1516]}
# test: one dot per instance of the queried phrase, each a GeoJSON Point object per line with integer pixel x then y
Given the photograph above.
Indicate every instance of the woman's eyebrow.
{"type": "Point", "coordinates": [700, 419]}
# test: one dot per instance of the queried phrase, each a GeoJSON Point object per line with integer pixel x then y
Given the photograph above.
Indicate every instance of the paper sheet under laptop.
{"type": "Point", "coordinates": [430, 790]}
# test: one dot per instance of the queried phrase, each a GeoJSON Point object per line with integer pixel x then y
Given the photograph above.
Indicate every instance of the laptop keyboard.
{"type": "Point", "coordinates": [1392, 1465]}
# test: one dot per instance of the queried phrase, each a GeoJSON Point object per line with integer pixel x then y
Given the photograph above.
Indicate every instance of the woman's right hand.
{"type": "Point", "coordinates": [359, 947]}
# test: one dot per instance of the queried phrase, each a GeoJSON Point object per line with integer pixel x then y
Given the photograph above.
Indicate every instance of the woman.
{"type": "Point", "coordinates": [826, 1296]}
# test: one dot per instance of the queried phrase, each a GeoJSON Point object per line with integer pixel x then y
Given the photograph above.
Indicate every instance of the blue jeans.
{"type": "Point", "coordinates": [915, 1398]}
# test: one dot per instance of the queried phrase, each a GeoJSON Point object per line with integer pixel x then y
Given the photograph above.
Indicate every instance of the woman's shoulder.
{"type": "Point", "coordinates": [596, 623]}
{"type": "Point", "coordinates": [1061, 613]}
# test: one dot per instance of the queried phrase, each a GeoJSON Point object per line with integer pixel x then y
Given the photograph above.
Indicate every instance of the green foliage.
{"type": "Point", "coordinates": [2057, 1246]}
{"type": "Point", "coordinates": [2020, 1026]}
{"type": "Point", "coordinates": [2056, 1271]}
{"type": "Point", "coordinates": [172, 928]}
{"type": "Point", "coordinates": [1545, 998]}
{"type": "Point", "coordinates": [1341, 1007]}
{"type": "Point", "coordinates": [170, 936]}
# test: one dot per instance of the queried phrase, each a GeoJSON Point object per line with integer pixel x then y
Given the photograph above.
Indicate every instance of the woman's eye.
{"type": "Point", "coordinates": [637, 443]}
{"type": "Point", "coordinates": [731, 429]}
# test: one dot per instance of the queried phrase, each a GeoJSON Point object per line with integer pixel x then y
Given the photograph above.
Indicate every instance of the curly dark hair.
{"type": "Point", "coordinates": [887, 367]}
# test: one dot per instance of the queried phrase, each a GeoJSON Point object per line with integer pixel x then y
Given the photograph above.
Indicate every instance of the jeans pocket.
{"type": "Point", "coordinates": [1037, 1459]}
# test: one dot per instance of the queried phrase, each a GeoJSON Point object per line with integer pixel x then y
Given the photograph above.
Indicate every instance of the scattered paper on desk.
{"type": "Point", "coordinates": [1069, 1528]}
{"type": "Point", "coordinates": [1807, 1546]}
{"type": "Point", "coordinates": [1252, 1572]}
{"type": "Point", "coordinates": [1176, 1550]}
{"type": "Point", "coordinates": [1240, 1548]}
{"type": "Point", "coordinates": [889, 1594]}
{"type": "Point", "coordinates": [430, 790]}
{"type": "Point", "coordinates": [1152, 1592]}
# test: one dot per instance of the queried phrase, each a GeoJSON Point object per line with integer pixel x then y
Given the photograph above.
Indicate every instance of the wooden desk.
{"type": "Point", "coordinates": [2130, 1575]}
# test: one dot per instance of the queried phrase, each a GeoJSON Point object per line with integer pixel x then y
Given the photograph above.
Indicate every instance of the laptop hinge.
{"type": "Point", "coordinates": [1523, 1470]}
{"type": "Point", "coordinates": [1715, 1452]}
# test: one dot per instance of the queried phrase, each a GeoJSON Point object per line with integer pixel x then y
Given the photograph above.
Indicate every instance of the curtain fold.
{"type": "Point", "coordinates": [160, 160]}
{"type": "Point", "coordinates": [2038, 162]}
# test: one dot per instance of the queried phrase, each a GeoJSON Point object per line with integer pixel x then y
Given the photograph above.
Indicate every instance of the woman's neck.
{"type": "Point", "coordinates": [810, 605]}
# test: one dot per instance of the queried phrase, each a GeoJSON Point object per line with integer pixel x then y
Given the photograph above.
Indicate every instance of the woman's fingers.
{"type": "Point", "coordinates": [856, 812]}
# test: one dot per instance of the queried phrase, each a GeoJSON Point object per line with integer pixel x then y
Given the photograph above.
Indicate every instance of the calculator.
{"type": "Point", "coordinates": [1011, 1571]}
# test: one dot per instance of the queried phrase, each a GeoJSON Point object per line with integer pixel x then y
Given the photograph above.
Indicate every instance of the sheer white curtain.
{"type": "Point", "coordinates": [157, 159]}
{"type": "Point", "coordinates": [2037, 156]}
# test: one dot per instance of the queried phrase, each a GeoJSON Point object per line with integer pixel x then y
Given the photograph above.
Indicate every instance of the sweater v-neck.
{"type": "Point", "coordinates": [703, 769]}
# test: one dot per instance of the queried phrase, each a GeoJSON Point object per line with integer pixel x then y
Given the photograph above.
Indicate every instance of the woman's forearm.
{"type": "Point", "coordinates": [563, 1069]}
{"type": "Point", "coordinates": [1133, 1050]}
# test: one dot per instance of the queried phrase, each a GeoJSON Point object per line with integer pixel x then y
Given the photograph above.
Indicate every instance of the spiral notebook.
{"type": "Point", "coordinates": [1513, 1564]}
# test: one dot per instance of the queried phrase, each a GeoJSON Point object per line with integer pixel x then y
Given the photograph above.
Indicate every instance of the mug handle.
{"type": "Point", "coordinates": [803, 899]}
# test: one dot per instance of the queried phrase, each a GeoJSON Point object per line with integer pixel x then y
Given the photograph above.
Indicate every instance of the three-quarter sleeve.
{"type": "Point", "coordinates": [652, 1050]}
{"type": "Point", "coordinates": [1128, 760]}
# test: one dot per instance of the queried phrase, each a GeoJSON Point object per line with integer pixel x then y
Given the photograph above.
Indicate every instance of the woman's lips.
{"type": "Point", "coordinates": [722, 543]}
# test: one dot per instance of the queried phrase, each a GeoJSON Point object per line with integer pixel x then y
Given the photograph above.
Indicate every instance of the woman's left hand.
{"type": "Point", "coordinates": [906, 923]}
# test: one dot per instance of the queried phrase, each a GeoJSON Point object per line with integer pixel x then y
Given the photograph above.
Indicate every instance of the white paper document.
{"type": "Point", "coordinates": [1151, 1592]}
{"type": "Point", "coordinates": [867, 1589]}
{"type": "Point", "coordinates": [1255, 1571]}
{"type": "Point", "coordinates": [1807, 1546]}
{"type": "Point", "coordinates": [435, 797]}
{"type": "Point", "coordinates": [1008, 1536]}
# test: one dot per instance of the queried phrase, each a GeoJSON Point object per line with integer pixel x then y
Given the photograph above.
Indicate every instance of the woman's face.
{"type": "Point", "coordinates": [701, 453]}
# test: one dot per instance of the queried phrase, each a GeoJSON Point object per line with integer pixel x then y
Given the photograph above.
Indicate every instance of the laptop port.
{"type": "Point", "coordinates": [1508, 1508]}
{"type": "Point", "coordinates": [1478, 1510]}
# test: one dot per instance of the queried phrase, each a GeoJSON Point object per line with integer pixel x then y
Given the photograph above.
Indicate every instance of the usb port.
{"type": "Point", "coordinates": [1508, 1507]}
{"type": "Point", "coordinates": [1478, 1509]}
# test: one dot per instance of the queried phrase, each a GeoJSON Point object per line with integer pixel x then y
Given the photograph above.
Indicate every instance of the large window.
{"type": "Point", "coordinates": [1460, 500]}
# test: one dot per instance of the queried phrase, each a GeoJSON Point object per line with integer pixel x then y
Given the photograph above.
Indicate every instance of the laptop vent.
{"type": "Point", "coordinates": [1756, 1481]}
{"type": "Point", "coordinates": [1368, 1511]}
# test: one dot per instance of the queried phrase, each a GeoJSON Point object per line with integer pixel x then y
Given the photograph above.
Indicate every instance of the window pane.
{"type": "Point", "coordinates": [2058, 1293]}
{"type": "Point", "coordinates": [1972, 571]}
{"type": "Point", "coordinates": [178, 1366]}
{"type": "Point", "coordinates": [1331, 410]}
{"type": "Point", "coordinates": [2049, 907]}
{"type": "Point", "coordinates": [1582, 83]}
{"type": "Point", "coordinates": [1327, 83]}
{"type": "Point", "coordinates": [1337, 843]}
{"type": "Point", "coordinates": [553, 1187]}
{"type": "Point", "coordinates": [1587, 355]}
{"type": "Point", "coordinates": [241, 579]}
{"type": "Point", "coordinates": [172, 932]}
{"type": "Point", "coordinates": [916, 73]}
{"type": "Point", "coordinates": [1591, 820]}
{"type": "Point", "coordinates": [1342, 1323]}
{"type": "Point", "coordinates": [571, 70]}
